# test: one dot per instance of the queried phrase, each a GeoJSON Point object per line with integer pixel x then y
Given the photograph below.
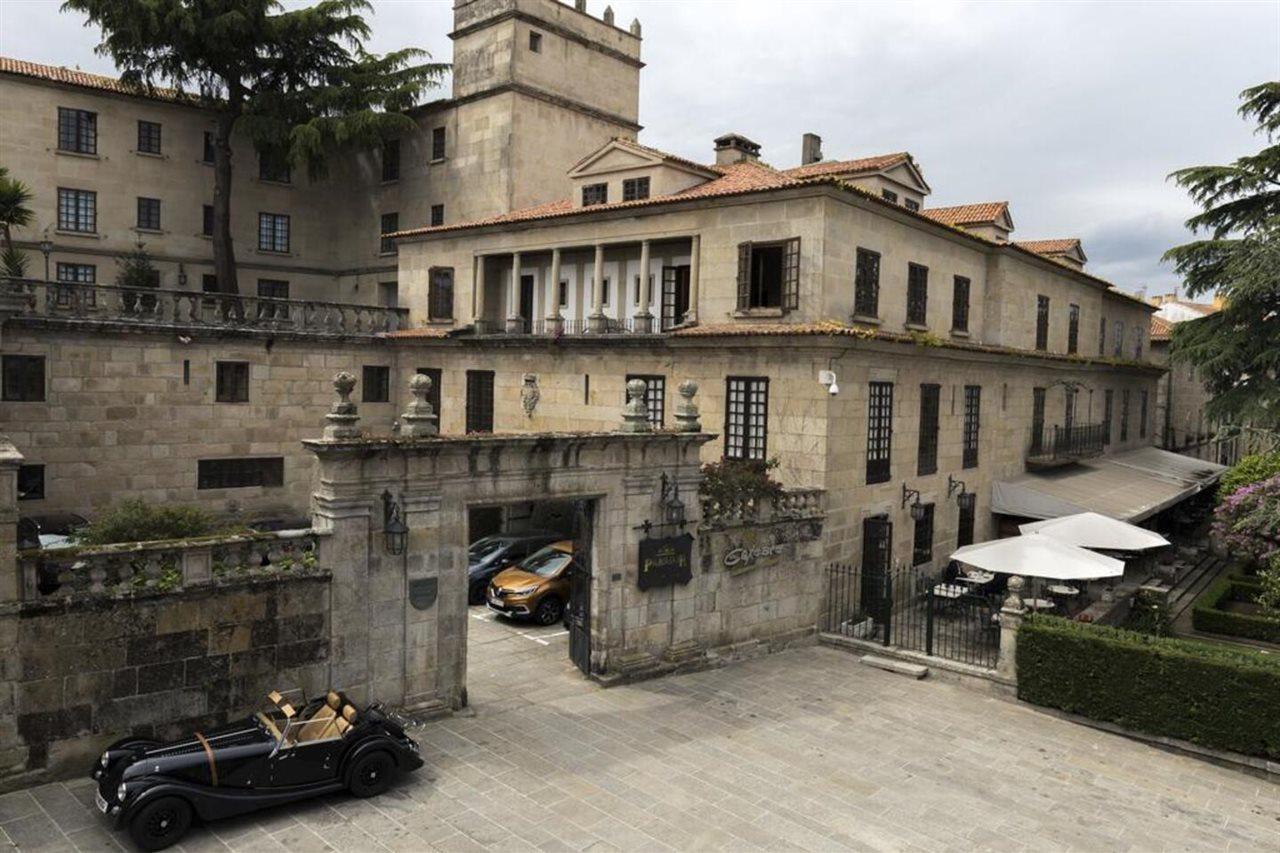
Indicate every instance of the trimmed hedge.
{"type": "Point", "coordinates": [1209, 695]}
{"type": "Point", "coordinates": [1206, 614]}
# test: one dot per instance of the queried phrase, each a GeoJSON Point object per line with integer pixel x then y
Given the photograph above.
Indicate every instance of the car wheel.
{"type": "Point", "coordinates": [549, 611]}
{"type": "Point", "coordinates": [161, 823]}
{"type": "Point", "coordinates": [372, 774]}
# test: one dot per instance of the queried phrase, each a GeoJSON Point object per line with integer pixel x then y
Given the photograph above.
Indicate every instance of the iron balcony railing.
{"type": "Point", "coordinates": [1065, 443]}
{"type": "Point", "coordinates": [155, 306]}
{"type": "Point", "coordinates": [564, 327]}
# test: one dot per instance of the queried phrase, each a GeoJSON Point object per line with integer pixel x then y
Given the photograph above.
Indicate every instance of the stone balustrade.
{"type": "Point", "coordinates": [163, 565]}
{"type": "Point", "coordinates": [162, 307]}
{"type": "Point", "coordinates": [790, 504]}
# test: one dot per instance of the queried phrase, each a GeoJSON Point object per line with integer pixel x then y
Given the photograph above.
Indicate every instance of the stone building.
{"type": "Point", "coordinates": [1181, 396]}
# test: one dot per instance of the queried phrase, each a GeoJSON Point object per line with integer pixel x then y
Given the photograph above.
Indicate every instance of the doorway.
{"type": "Point", "coordinates": [675, 295]}
{"type": "Point", "coordinates": [877, 555]}
{"type": "Point", "coordinates": [526, 302]}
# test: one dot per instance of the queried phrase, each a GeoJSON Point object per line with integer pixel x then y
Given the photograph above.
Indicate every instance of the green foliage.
{"type": "Point", "coordinates": [15, 212]}
{"type": "Point", "coordinates": [138, 521]}
{"type": "Point", "coordinates": [1249, 470]}
{"type": "Point", "coordinates": [1210, 695]}
{"type": "Point", "coordinates": [1149, 614]}
{"type": "Point", "coordinates": [1237, 349]}
{"type": "Point", "coordinates": [729, 481]}
{"type": "Point", "coordinates": [1269, 588]}
{"type": "Point", "coordinates": [13, 262]}
{"type": "Point", "coordinates": [1207, 613]}
{"type": "Point", "coordinates": [136, 270]}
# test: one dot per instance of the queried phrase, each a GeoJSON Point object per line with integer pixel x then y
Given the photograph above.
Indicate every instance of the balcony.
{"type": "Point", "coordinates": [564, 327]}
{"type": "Point", "coordinates": [1061, 445]}
{"type": "Point", "coordinates": [161, 308]}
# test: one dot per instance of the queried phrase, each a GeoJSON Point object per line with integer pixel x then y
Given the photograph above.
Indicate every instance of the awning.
{"type": "Point", "coordinates": [1129, 486]}
{"type": "Point", "coordinates": [1039, 556]}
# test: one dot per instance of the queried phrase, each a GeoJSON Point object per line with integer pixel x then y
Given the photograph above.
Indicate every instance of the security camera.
{"type": "Point", "coordinates": [828, 380]}
{"type": "Point", "coordinates": [834, 389]}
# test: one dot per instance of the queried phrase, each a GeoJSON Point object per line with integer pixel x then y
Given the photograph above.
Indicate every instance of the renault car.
{"type": "Point", "coordinates": [537, 588]}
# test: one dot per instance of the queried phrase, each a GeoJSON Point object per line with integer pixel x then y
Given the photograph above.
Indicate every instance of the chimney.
{"type": "Point", "coordinates": [736, 148]}
{"type": "Point", "coordinates": [810, 149]}
{"type": "Point", "coordinates": [580, 5]}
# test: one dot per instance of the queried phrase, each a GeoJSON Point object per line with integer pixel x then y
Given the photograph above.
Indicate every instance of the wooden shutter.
{"type": "Point", "coordinates": [744, 276]}
{"type": "Point", "coordinates": [791, 274]}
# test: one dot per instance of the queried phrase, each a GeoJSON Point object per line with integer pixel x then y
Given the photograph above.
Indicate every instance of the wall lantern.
{"type": "Point", "coordinates": [394, 531]}
{"type": "Point", "coordinates": [918, 511]}
{"type": "Point", "coordinates": [673, 509]}
{"type": "Point", "coordinates": [46, 249]}
{"type": "Point", "coordinates": [966, 499]}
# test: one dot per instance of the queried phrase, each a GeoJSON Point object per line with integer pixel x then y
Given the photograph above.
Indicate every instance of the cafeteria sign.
{"type": "Point", "coordinates": [665, 561]}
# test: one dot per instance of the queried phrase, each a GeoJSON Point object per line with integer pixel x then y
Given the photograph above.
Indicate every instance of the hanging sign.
{"type": "Point", "coordinates": [665, 561]}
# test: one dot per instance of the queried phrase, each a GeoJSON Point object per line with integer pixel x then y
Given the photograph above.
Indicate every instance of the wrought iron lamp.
{"type": "Point", "coordinates": [394, 531]}
{"type": "Point", "coordinates": [673, 509]}
{"type": "Point", "coordinates": [917, 509]}
{"type": "Point", "coordinates": [966, 499]}
{"type": "Point", "coordinates": [46, 248]}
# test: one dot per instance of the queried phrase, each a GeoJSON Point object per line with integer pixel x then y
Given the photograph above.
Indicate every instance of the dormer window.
{"type": "Point", "coordinates": [595, 194]}
{"type": "Point", "coordinates": [635, 189]}
{"type": "Point", "coordinates": [889, 195]}
{"type": "Point", "coordinates": [911, 204]}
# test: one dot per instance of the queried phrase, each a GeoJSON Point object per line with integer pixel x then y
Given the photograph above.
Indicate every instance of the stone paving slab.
{"type": "Point", "coordinates": [805, 750]}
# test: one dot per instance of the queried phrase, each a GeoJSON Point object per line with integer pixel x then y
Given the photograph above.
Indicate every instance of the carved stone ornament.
{"type": "Point", "coordinates": [529, 394]}
{"type": "Point", "coordinates": [686, 409]}
{"type": "Point", "coordinates": [343, 420]}
{"type": "Point", "coordinates": [419, 419]}
{"type": "Point", "coordinates": [635, 414]}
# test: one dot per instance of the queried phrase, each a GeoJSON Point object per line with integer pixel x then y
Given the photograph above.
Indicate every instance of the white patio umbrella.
{"type": "Point", "coordinates": [1039, 556]}
{"type": "Point", "coordinates": [1094, 530]}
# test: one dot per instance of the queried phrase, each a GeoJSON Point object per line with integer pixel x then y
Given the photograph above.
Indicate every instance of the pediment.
{"type": "Point", "coordinates": [613, 157]}
{"type": "Point", "coordinates": [909, 175]}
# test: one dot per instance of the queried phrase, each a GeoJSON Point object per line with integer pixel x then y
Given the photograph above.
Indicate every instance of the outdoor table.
{"type": "Point", "coordinates": [949, 590]}
{"type": "Point", "coordinates": [1039, 603]}
{"type": "Point", "coordinates": [1063, 590]}
{"type": "Point", "coordinates": [977, 577]}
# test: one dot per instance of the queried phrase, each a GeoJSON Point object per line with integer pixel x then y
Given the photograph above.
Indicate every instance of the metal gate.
{"type": "Point", "coordinates": [577, 616]}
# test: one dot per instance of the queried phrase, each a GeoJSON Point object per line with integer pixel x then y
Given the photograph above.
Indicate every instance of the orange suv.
{"type": "Point", "coordinates": [537, 587]}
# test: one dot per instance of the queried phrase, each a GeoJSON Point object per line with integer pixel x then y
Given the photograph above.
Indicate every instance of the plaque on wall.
{"type": "Point", "coordinates": [422, 592]}
{"type": "Point", "coordinates": [665, 561]}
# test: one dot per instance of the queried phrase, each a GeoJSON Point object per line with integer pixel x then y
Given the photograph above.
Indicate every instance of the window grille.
{"type": "Point", "coordinates": [595, 194]}
{"type": "Point", "coordinates": [960, 305]}
{"type": "Point", "coordinates": [972, 420]}
{"type": "Point", "coordinates": [148, 137]}
{"type": "Point", "coordinates": [922, 546]}
{"type": "Point", "coordinates": [879, 431]}
{"type": "Point", "coordinates": [77, 131]}
{"type": "Point", "coordinates": [148, 214]}
{"type": "Point", "coordinates": [1042, 322]}
{"type": "Point", "coordinates": [240, 473]}
{"type": "Point", "coordinates": [746, 417]}
{"type": "Point", "coordinates": [77, 210]}
{"type": "Point", "coordinates": [437, 143]}
{"type": "Point", "coordinates": [927, 458]}
{"type": "Point", "coordinates": [917, 294]}
{"type": "Point", "coordinates": [479, 401]}
{"type": "Point", "coordinates": [655, 396]}
{"type": "Point", "coordinates": [866, 284]}
{"type": "Point", "coordinates": [635, 189]}
{"type": "Point", "coordinates": [273, 232]}
{"type": "Point", "coordinates": [440, 293]}
{"type": "Point", "coordinates": [232, 382]}
{"type": "Point", "coordinates": [1073, 329]}
{"type": "Point", "coordinates": [390, 222]}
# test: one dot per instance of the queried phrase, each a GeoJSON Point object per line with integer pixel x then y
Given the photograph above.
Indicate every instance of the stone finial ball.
{"type": "Point", "coordinates": [1015, 583]}
{"type": "Point", "coordinates": [420, 383]}
{"type": "Point", "coordinates": [688, 388]}
{"type": "Point", "coordinates": [636, 388]}
{"type": "Point", "coordinates": [343, 382]}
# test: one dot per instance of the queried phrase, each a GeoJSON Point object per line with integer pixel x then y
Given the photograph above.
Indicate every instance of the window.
{"type": "Point", "coordinates": [636, 292]}
{"type": "Point", "coordinates": [595, 194]}
{"type": "Point", "coordinates": [604, 292]}
{"type": "Point", "coordinates": [77, 131]}
{"type": "Point", "coordinates": [273, 288]}
{"type": "Point", "coordinates": [30, 482]}
{"type": "Point", "coordinates": [889, 195]}
{"type": "Point", "coordinates": [972, 420]}
{"type": "Point", "coordinates": [866, 284]}
{"type": "Point", "coordinates": [440, 293]}
{"type": "Point", "coordinates": [535, 41]}
{"type": "Point", "coordinates": [879, 431]}
{"type": "Point", "coordinates": [435, 374]}
{"type": "Point", "coordinates": [77, 210]}
{"type": "Point", "coordinates": [964, 526]}
{"type": "Point", "coordinates": [746, 415]}
{"type": "Point", "coordinates": [148, 137]}
{"type": "Point", "coordinates": [655, 396]}
{"type": "Point", "coordinates": [1073, 329]}
{"type": "Point", "coordinates": [208, 283]}
{"type": "Point", "coordinates": [960, 305]}
{"type": "Point", "coordinates": [273, 232]}
{"type": "Point", "coordinates": [76, 274]}
{"type": "Point", "coordinates": [437, 214]}
{"type": "Point", "coordinates": [635, 189]}
{"type": "Point", "coordinates": [927, 457]}
{"type": "Point", "coordinates": [1142, 414]}
{"type": "Point", "coordinates": [207, 156]}
{"type": "Point", "coordinates": [911, 204]}
{"type": "Point", "coordinates": [232, 382]}
{"type": "Point", "coordinates": [273, 167]}
{"type": "Point", "coordinates": [240, 473]}
{"type": "Point", "coordinates": [563, 296]}
{"type": "Point", "coordinates": [437, 143]}
{"type": "Point", "coordinates": [1037, 417]}
{"type": "Point", "coordinates": [1108, 411]}
{"type": "Point", "coordinates": [391, 160]}
{"type": "Point", "coordinates": [479, 401]}
{"type": "Point", "coordinates": [206, 226]}
{"type": "Point", "coordinates": [922, 546]}
{"type": "Point", "coordinates": [917, 294]}
{"type": "Point", "coordinates": [769, 275]}
{"type": "Point", "coordinates": [1068, 408]}
{"type": "Point", "coordinates": [375, 384]}
{"type": "Point", "coordinates": [390, 222]}
{"type": "Point", "coordinates": [1124, 415]}
{"type": "Point", "coordinates": [1118, 343]}
{"type": "Point", "coordinates": [1042, 323]}
{"type": "Point", "coordinates": [23, 378]}
{"type": "Point", "coordinates": [1137, 343]}
{"type": "Point", "coordinates": [1102, 336]}
{"type": "Point", "coordinates": [148, 214]}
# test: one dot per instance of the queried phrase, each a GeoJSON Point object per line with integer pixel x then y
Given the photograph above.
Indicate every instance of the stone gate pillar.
{"type": "Point", "coordinates": [10, 581]}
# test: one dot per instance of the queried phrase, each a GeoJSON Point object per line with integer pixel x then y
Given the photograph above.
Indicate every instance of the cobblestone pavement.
{"type": "Point", "coordinates": [802, 750]}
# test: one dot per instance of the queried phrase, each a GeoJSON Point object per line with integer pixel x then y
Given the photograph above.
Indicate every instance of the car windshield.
{"type": "Point", "coordinates": [484, 548]}
{"type": "Point", "coordinates": [546, 562]}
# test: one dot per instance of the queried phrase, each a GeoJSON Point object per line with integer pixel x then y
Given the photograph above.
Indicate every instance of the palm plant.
{"type": "Point", "coordinates": [15, 196]}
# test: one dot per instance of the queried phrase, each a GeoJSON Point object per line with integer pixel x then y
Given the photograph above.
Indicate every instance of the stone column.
{"type": "Point", "coordinates": [10, 579]}
{"type": "Point", "coordinates": [695, 261]}
{"type": "Point", "coordinates": [478, 320]}
{"type": "Point", "coordinates": [555, 320]}
{"type": "Point", "coordinates": [1010, 620]}
{"type": "Point", "coordinates": [515, 323]}
{"type": "Point", "coordinates": [597, 322]}
{"type": "Point", "coordinates": [644, 317]}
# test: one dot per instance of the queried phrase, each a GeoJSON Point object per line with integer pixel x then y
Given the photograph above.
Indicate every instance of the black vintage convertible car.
{"type": "Point", "coordinates": [278, 755]}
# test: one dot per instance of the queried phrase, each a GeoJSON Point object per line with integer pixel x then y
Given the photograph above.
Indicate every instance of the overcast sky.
{"type": "Point", "coordinates": [1073, 112]}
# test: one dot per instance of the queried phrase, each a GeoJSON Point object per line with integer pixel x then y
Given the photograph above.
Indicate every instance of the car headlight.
{"type": "Point", "coordinates": [104, 760]}
{"type": "Point", "coordinates": [528, 590]}
{"type": "Point", "coordinates": [121, 792]}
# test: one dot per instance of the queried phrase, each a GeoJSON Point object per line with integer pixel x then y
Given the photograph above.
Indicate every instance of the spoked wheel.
{"type": "Point", "coordinates": [372, 775]}
{"type": "Point", "coordinates": [549, 611]}
{"type": "Point", "coordinates": [160, 824]}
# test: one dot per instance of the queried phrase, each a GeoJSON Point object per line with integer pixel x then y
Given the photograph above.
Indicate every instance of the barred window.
{"type": "Point", "coordinates": [375, 384]}
{"type": "Point", "coordinates": [1069, 408]}
{"type": "Point", "coordinates": [76, 274]}
{"type": "Point", "coordinates": [148, 214]}
{"type": "Point", "coordinates": [1073, 329]}
{"type": "Point", "coordinates": [1037, 416]}
{"type": "Point", "coordinates": [440, 293]}
{"type": "Point", "coordinates": [437, 143]}
{"type": "Point", "coordinates": [972, 420]}
{"type": "Point", "coordinates": [273, 232]}
{"type": "Point", "coordinates": [1108, 411]}
{"type": "Point", "coordinates": [23, 378]}
{"type": "Point", "coordinates": [77, 210]}
{"type": "Point", "coordinates": [390, 222]}
{"type": "Point", "coordinates": [1042, 322]}
{"type": "Point", "coordinates": [746, 417]}
{"type": "Point", "coordinates": [240, 473]}
{"type": "Point", "coordinates": [435, 374]}
{"type": "Point", "coordinates": [866, 284]}
{"type": "Point", "coordinates": [30, 482]}
{"type": "Point", "coordinates": [1142, 414]}
{"type": "Point", "coordinates": [148, 137]}
{"type": "Point", "coordinates": [1137, 342]}
{"type": "Point", "coordinates": [922, 544]}
{"type": "Point", "coordinates": [889, 195]}
{"type": "Point", "coordinates": [917, 294]}
{"type": "Point", "coordinates": [595, 194]}
{"type": "Point", "coordinates": [927, 457]}
{"type": "Point", "coordinates": [1118, 343]}
{"type": "Point", "coordinates": [206, 225]}
{"type": "Point", "coordinates": [1124, 415]}
{"type": "Point", "coordinates": [437, 214]}
{"type": "Point", "coordinates": [479, 401]}
{"type": "Point", "coordinates": [879, 431]}
{"type": "Point", "coordinates": [655, 396]}
{"type": "Point", "coordinates": [232, 382]}
{"type": "Point", "coordinates": [960, 305]}
{"type": "Point", "coordinates": [77, 131]}
{"type": "Point", "coordinates": [1102, 336]}
{"type": "Point", "coordinates": [391, 160]}
{"type": "Point", "coordinates": [635, 189]}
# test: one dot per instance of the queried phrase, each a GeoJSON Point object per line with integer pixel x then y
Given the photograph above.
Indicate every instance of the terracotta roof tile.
{"type": "Point", "coordinates": [968, 214]}
{"type": "Point", "coordinates": [1161, 329]}
{"type": "Point", "coordinates": [1050, 247]}
{"type": "Point", "coordinates": [75, 77]}
{"type": "Point", "coordinates": [848, 167]}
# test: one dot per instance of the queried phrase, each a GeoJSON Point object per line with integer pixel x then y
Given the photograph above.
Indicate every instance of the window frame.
{"type": "Point", "coordinates": [81, 206]}
{"type": "Point", "coordinates": [27, 472]}
{"type": "Point", "coordinates": [960, 290]}
{"type": "Point", "coordinates": [972, 427]}
{"type": "Point", "coordinates": [440, 293]}
{"type": "Point", "coordinates": [274, 169]}
{"type": "Point", "coordinates": [208, 153]}
{"type": "Point", "coordinates": [866, 284]}
{"type": "Point", "coordinates": [231, 381]}
{"type": "Point", "coordinates": [1042, 323]}
{"type": "Point", "coordinates": [437, 215]}
{"type": "Point", "coordinates": [480, 401]}
{"type": "Point", "coordinates": [269, 226]}
{"type": "Point", "coordinates": [879, 432]}
{"type": "Point", "coordinates": [595, 194]}
{"type": "Point", "coordinates": [917, 294]}
{"type": "Point", "coordinates": [746, 417]}
{"type": "Point", "coordinates": [439, 144]}
{"type": "Point", "coordinates": [535, 41]}
{"type": "Point", "coordinates": [922, 536]}
{"type": "Point", "coordinates": [1124, 414]}
{"type": "Point", "coordinates": [390, 163]}
{"type": "Point", "coordinates": [930, 420]}
{"type": "Point", "coordinates": [375, 383]}
{"type": "Point", "coordinates": [388, 223]}
{"type": "Point", "coordinates": [207, 217]}
{"type": "Point", "coordinates": [242, 472]}
{"type": "Point", "coordinates": [1108, 414]}
{"type": "Point", "coordinates": [789, 275]}
{"type": "Point", "coordinates": [635, 189]}
{"type": "Point", "coordinates": [889, 195]}
{"type": "Point", "coordinates": [436, 375]}
{"type": "Point", "coordinates": [77, 131]}
{"type": "Point", "coordinates": [1073, 328]}
{"type": "Point", "coordinates": [150, 133]}
{"type": "Point", "coordinates": [148, 209]}
{"type": "Point", "coordinates": [655, 396]}
{"type": "Point", "coordinates": [1143, 404]}
{"type": "Point", "coordinates": [73, 273]}
{"type": "Point", "coordinates": [23, 388]}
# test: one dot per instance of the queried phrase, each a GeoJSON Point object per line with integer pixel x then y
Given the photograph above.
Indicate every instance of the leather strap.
{"type": "Point", "coordinates": [213, 765]}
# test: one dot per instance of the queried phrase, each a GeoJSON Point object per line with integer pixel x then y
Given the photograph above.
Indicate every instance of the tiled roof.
{"type": "Point", "coordinates": [647, 149]}
{"type": "Point", "coordinates": [849, 167]}
{"type": "Point", "coordinates": [1050, 247]}
{"type": "Point", "coordinates": [75, 77]}
{"type": "Point", "coordinates": [968, 214]}
{"type": "Point", "coordinates": [1161, 329]}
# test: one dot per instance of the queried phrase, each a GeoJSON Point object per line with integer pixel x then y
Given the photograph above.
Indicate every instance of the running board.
{"type": "Point", "coordinates": [914, 670]}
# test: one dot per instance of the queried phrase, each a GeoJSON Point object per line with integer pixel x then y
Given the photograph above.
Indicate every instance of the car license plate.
{"type": "Point", "coordinates": [100, 802]}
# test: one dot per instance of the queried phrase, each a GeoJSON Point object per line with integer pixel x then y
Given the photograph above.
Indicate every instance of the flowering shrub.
{"type": "Point", "coordinates": [1249, 470]}
{"type": "Point", "coordinates": [1247, 522]}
